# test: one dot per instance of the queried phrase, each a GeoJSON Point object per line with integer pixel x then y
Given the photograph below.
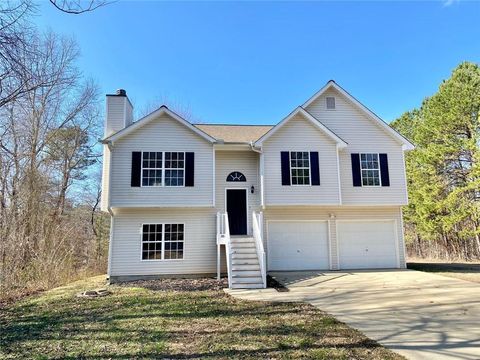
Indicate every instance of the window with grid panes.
{"type": "Point", "coordinates": [300, 167]}
{"type": "Point", "coordinates": [152, 241]}
{"type": "Point", "coordinates": [151, 168]}
{"type": "Point", "coordinates": [370, 169]}
{"type": "Point", "coordinates": [174, 168]}
{"type": "Point", "coordinates": [174, 238]}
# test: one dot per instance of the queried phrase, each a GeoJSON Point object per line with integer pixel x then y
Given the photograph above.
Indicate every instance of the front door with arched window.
{"type": "Point", "coordinates": [236, 204]}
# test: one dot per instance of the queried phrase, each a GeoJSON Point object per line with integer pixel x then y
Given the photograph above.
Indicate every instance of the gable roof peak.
{"type": "Point", "coordinates": [407, 145]}
{"type": "Point", "coordinates": [300, 110]}
{"type": "Point", "coordinates": [150, 117]}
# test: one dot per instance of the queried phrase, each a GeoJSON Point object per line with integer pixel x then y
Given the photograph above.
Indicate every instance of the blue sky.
{"type": "Point", "coordinates": [253, 62]}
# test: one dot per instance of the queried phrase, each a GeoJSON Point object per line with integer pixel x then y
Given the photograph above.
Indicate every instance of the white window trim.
{"type": "Point", "coordinates": [379, 170]}
{"type": "Point", "coordinates": [163, 240]}
{"type": "Point", "coordinates": [163, 170]}
{"type": "Point", "coordinates": [309, 169]}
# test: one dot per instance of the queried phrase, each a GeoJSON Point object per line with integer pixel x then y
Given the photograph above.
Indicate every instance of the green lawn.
{"type": "Point", "coordinates": [138, 323]}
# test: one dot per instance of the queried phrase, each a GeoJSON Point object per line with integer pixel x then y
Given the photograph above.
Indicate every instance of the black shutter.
{"type": "Point", "coordinates": [285, 159]}
{"type": "Point", "coordinates": [384, 170]}
{"type": "Point", "coordinates": [314, 168]}
{"type": "Point", "coordinates": [136, 168]}
{"type": "Point", "coordinates": [356, 175]}
{"type": "Point", "coordinates": [189, 168]}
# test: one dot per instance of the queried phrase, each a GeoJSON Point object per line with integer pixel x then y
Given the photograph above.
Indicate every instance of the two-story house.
{"type": "Point", "coordinates": [320, 190]}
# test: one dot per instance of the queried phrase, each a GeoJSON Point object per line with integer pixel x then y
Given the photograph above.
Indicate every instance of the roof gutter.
{"type": "Point", "coordinates": [257, 150]}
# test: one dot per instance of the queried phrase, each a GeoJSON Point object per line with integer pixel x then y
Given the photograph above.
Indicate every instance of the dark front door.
{"type": "Point", "coordinates": [237, 211]}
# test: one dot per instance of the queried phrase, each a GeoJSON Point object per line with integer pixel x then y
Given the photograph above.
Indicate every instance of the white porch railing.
{"type": "Point", "coordinates": [257, 225]}
{"type": "Point", "coordinates": [223, 238]}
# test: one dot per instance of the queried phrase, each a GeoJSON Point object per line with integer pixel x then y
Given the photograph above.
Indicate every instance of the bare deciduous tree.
{"type": "Point", "coordinates": [47, 146]}
{"type": "Point", "coordinates": [182, 109]}
{"type": "Point", "coordinates": [78, 6]}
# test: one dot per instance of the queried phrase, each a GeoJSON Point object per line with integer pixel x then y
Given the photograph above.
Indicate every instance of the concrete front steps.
{"type": "Point", "coordinates": [245, 267]}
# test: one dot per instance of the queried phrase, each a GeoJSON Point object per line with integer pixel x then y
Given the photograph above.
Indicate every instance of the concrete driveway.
{"type": "Point", "coordinates": [416, 314]}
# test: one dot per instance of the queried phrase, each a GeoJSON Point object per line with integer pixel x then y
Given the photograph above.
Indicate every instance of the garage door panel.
{"type": "Point", "coordinates": [296, 245]}
{"type": "Point", "coordinates": [367, 244]}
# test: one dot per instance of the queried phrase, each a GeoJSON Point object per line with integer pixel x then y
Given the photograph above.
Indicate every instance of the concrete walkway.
{"type": "Point", "coordinates": [418, 315]}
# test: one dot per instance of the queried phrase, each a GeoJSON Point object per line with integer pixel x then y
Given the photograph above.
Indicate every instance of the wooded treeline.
{"type": "Point", "coordinates": [51, 230]}
{"type": "Point", "coordinates": [443, 172]}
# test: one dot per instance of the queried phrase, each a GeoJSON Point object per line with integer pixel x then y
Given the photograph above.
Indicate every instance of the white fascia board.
{"type": "Point", "coordinates": [406, 144]}
{"type": "Point", "coordinates": [300, 110]}
{"type": "Point", "coordinates": [232, 146]}
{"type": "Point", "coordinates": [147, 119]}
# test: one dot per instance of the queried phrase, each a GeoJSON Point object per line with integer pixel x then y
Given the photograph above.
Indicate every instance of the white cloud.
{"type": "Point", "coordinates": [449, 2]}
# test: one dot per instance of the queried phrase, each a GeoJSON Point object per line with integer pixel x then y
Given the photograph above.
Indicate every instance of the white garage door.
{"type": "Point", "coordinates": [367, 244]}
{"type": "Point", "coordinates": [298, 245]}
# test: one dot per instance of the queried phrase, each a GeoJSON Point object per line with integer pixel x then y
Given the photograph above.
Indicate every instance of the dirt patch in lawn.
{"type": "Point", "coordinates": [200, 284]}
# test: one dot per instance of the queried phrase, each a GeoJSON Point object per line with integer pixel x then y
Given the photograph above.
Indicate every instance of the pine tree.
{"type": "Point", "coordinates": [444, 170]}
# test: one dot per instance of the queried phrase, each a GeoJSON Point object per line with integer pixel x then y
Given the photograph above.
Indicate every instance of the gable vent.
{"type": "Point", "coordinates": [330, 102]}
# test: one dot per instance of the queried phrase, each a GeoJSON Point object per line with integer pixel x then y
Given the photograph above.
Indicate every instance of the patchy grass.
{"type": "Point", "coordinates": [141, 323]}
{"type": "Point", "coordinates": [464, 271]}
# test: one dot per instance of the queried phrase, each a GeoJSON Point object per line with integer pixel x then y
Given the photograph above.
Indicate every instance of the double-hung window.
{"type": "Point", "coordinates": [174, 168]}
{"type": "Point", "coordinates": [163, 168]}
{"type": "Point", "coordinates": [152, 241]}
{"type": "Point", "coordinates": [162, 241]}
{"type": "Point", "coordinates": [152, 168]}
{"type": "Point", "coordinates": [173, 238]}
{"type": "Point", "coordinates": [300, 167]}
{"type": "Point", "coordinates": [370, 169]}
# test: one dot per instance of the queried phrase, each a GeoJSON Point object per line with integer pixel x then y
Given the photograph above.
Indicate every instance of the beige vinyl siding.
{"type": "Point", "coordinates": [339, 213]}
{"type": "Point", "coordinates": [362, 136]}
{"type": "Point", "coordinates": [245, 162]}
{"type": "Point", "coordinates": [200, 250]}
{"type": "Point", "coordinates": [162, 134]}
{"type": "Point", "coordinates": [300, 135]}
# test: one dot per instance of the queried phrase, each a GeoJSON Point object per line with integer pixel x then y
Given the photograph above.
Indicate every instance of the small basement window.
{"type": "Point", "coordinates": [330, 100]}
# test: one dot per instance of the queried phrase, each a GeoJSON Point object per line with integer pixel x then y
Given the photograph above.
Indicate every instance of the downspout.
{"type": "Point", "coordinates": [109, 208]}
{"type": "Point", "coordinates": [252, 146]}
{"type": "Point", "coordinates": [262, 195]}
